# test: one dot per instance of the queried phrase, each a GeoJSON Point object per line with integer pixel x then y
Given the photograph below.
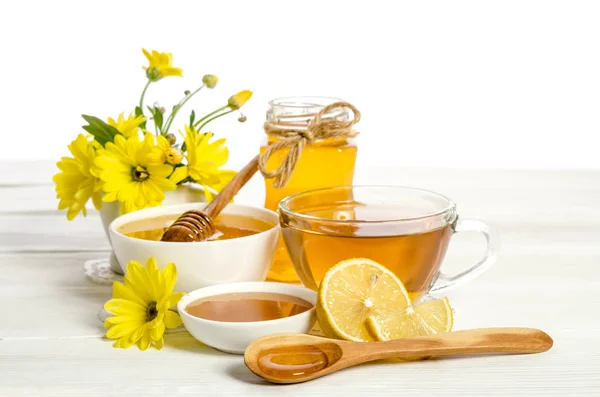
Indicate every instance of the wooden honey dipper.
{"type": "Point", "coordinates": [198, 225]}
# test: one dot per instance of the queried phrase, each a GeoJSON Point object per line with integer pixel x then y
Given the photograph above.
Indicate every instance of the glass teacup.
{"type": "Point", "coordinates": [405, 229]}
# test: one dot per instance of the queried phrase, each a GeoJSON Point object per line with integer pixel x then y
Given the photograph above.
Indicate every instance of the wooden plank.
{"type": "Point", "coordinates": [47, 295]}
{"type": "Point", "coordinates": [51, 233]}
{"type": "Point", "coordinates": [91, 367]}
{"type": "Point", "coordinates": [27, 172]}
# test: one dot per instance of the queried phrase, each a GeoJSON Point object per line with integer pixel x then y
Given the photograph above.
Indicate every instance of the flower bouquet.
{"type": "Point", "coordinates": [122, 161]}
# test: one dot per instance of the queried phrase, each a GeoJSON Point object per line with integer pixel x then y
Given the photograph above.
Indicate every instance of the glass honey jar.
{"type": "Point", "coordinates": [322, 162]}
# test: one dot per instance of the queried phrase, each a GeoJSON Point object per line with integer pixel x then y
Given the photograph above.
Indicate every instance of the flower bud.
{"type": "Point", "coordinates": [210, 80]}
{"type": "Point", "coordinates": [161, 109]}
{"type": "Point", "coordinates": [238, 100]}
{"type": "Point", "coordinates": [153, 74]}
{"type": "Point", "coordinates": [242, 118]}
{"type": "Point", "coordinates": [187, 92]}
{"type": "Point", "coordinates": [171, 138]}
{"type": "Point", "coordinates": [173, 156]}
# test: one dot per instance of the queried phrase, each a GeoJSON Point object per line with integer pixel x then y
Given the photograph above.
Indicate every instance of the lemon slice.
{"type": "Point", "coordinates": [354, 290]}
{"type": "Point", "coordinates": [428, 318]}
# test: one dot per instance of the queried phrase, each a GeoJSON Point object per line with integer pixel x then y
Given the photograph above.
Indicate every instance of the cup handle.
{"type": "Point", "coordinates": [444, 281]}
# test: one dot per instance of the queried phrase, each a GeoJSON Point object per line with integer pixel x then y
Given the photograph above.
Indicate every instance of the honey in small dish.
{"type": "Point", "coordinates": [247, 306]}
{"type": "Point", "coordinates": [227, 226]}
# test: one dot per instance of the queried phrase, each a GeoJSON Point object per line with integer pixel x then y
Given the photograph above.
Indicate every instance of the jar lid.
{"type": "Point", "coordinates": [298, 112]}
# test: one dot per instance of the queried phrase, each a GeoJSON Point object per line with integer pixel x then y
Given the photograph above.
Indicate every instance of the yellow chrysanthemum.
{"type": "Point", "coordinates": [160, 65]}
{"type": "Point", "coordinates": [238, 100]}
{"type": "Point", "coordinates": [76, 183]}
{"type": "Point", "coordinates": [128, 127]}
{"type": "Point", "coordinates": [140, 306]}
{"type": "Point", "coordinates": [204, 158]}
{"type": "Point", "coordinates": [129, 174]}
{"type": "Point", "coordinates": [164, 153]}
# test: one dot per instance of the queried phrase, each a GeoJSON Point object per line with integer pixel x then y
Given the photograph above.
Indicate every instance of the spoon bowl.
{"type": "Point", "coordinates": [294, 358]}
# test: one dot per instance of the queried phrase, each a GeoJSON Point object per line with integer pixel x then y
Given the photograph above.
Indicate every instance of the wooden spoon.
{"type": "Point", "coordinates": [293, 358]}
{"type": "Point", "coordinates": [196, 225]}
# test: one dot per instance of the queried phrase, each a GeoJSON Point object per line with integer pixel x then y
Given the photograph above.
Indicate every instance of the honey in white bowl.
{"type": "Point", "coordinates": [248, 307]}
{"type": "Point", "coordinates": [227, 226]}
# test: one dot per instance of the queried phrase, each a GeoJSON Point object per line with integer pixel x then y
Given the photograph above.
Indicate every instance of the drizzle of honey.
{"type": "Point", "coordinates": [291, 362]}
{"type": "Point", "coordinates": [227, 226]}
{"type": "Point", "coordinates": [247, 307]}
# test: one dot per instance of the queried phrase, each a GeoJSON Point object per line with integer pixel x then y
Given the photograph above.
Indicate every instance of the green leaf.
{"type": "Point", "coordinates": [157, 116]}
{"type": "Point", "coordinates": [140, 112]}
{"type": "Point", "coordinates": [102, 132]}
{"type": "Point", "coordinates": [192, 118]}
{"type": "Point", "coordinates": [158, 119]}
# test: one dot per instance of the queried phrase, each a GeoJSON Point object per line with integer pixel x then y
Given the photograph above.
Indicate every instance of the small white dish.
{"type": "Point", "coordinates": [204, 263]}
{"type": "Point", "coordinates": [234, 337]}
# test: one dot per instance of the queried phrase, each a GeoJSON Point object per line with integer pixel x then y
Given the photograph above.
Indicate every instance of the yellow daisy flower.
{"type": "Point", "coordinates": [76, 183]}
{"type": "Point", "coordinates": [129, 174]}
{"type": "Point", "coordinates": [160, 65]}
{"type": "Point", "coordinates": [204, 158]}
{"type": "Point", "coordinates": [164, 153]}
{"type": "Point", "coordinates": [128, 127]}
{"type": "Point", "coordinates": [140, 306]}
{"type": "Point", "coordinates": [238, 100]}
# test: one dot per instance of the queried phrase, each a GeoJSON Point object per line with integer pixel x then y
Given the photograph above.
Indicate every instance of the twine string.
{"type": "Point", "coordinates": [319, 128]}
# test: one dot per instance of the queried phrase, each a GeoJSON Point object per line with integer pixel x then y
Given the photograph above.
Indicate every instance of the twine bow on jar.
{"type": "Point", "coordinates": [319, 128]}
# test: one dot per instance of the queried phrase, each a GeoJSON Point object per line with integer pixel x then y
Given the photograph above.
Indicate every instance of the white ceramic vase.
{"type": "Point", "coordinates": [187, 193]}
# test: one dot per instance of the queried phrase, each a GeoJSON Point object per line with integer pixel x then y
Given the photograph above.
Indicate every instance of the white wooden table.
{"type": "Point", "coordinates": [547, 276]}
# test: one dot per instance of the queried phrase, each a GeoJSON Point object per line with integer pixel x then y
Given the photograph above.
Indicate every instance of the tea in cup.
{"type": "Point", "coordinates": [405, 229]}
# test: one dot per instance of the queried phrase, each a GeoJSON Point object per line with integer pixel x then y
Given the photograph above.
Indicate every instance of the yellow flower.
{"type": "Point", "coordinates": [76, 183]}
{"type": "Point", "coordinates": [127, 127]}
{"type": "Point", "coordinates": [140, 306]}
{"type": "Point", "coordinates": [164, 153]}
{"type": "Point", "coordinates": [210, 80]}
{"type": "Point", "coordinates": [130, 175]}
{"type": "Point", "coordinates": [160, 65]}
{"type": "Point", "coordinates": [204, 158]}
{"type": "Point", "coordinates": [238, 100]}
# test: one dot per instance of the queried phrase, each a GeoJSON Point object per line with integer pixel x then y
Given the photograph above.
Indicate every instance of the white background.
{"type": "Point", "coordinates": [512, 84]}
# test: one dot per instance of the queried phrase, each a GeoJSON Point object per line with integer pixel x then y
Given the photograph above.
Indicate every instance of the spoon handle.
{"type": "Point", "coordinates": [239, 180]}
{"type": "Point", "coordinates": [485, 340]}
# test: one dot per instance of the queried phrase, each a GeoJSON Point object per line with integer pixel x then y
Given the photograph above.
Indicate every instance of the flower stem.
{"type": "Point", "coordinates": [178, 107]}
{"type": "Point", "coordinates": [197, 123]}
{"type": "Point", "coordinates": [213, 118]}
{"type": "Point", "coordinates": [144, 94]}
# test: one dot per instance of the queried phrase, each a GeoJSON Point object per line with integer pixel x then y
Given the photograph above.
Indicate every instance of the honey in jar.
{"type": "Point", "coordinates": [323, 163]}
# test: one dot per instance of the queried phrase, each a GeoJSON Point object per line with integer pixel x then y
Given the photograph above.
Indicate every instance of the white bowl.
{"type": "Point", "coordinates": [206, 263]}
{"type": "Point", "coordinates": [233, 337]}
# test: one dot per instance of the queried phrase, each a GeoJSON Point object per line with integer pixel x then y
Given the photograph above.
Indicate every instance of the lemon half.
{"type": "Point", "coordinates": [361, 300]}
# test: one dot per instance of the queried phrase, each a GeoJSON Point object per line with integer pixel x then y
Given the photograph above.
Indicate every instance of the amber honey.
{"type": "Point", "coordinates": [415, 257]}
{"type": "Point", "coordinates": [247, 307]}
{"type": "Point", "coordinates": [291, 362]}
{"type": "Point", "coordinates": [227, 226]}
{"type": "Point", "coordinates": [323, 163]}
